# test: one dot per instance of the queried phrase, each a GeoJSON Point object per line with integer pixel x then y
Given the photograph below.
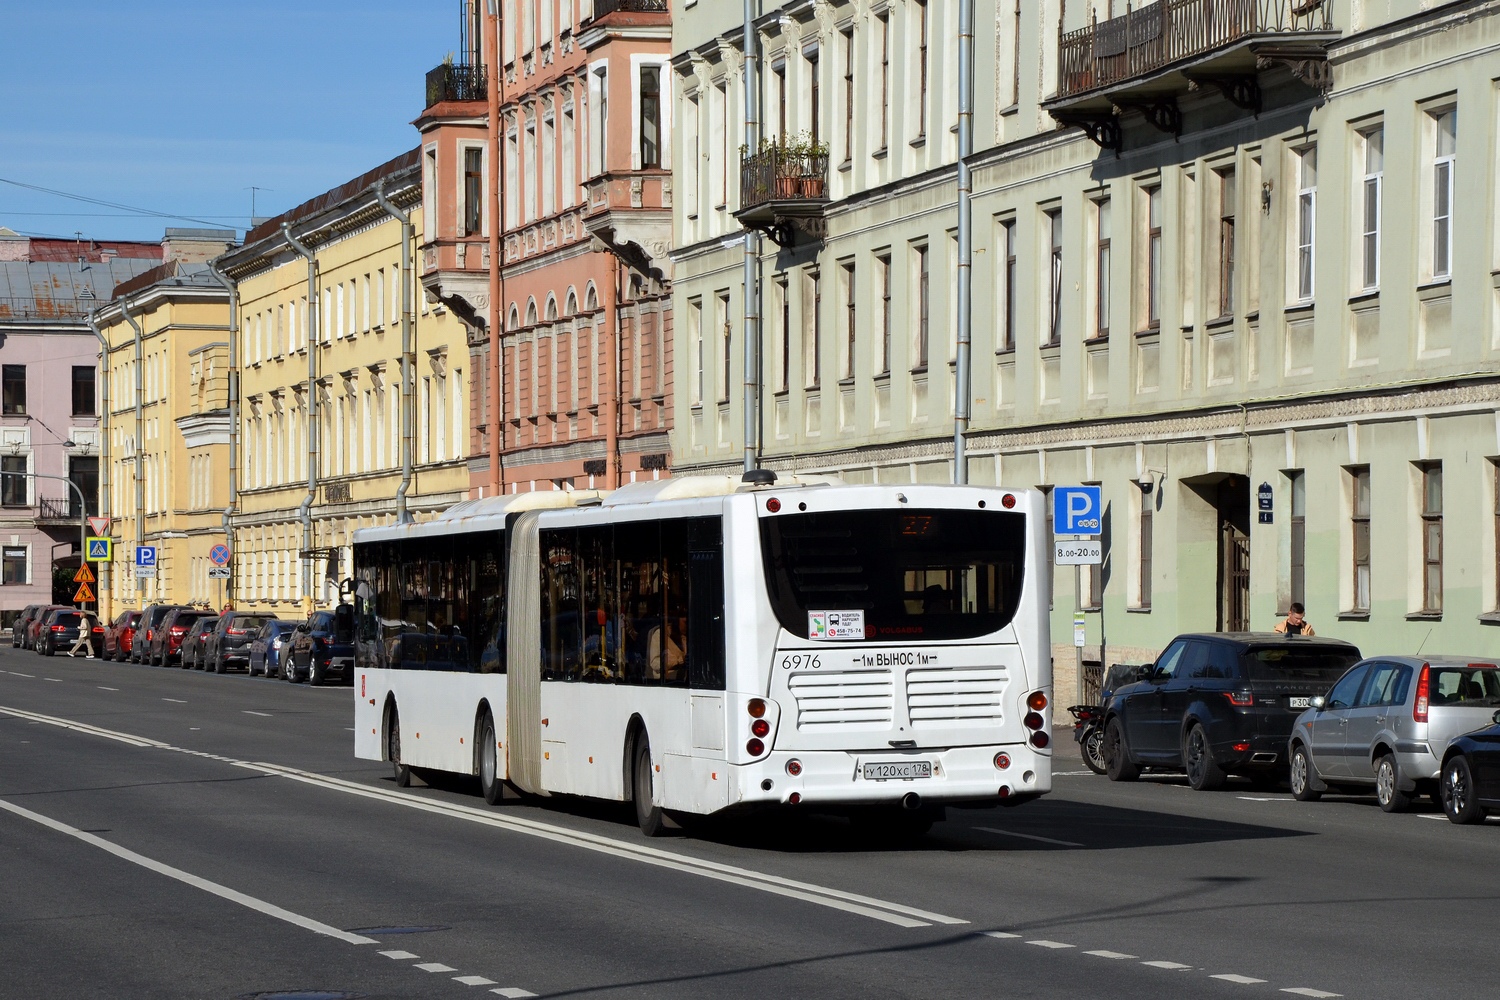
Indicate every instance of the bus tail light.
{"type": "Point", "coordinates": [1040, 740]}
{"type": "Point", "coordinates": [773, 505]}
{"type": "Point", "coordinates": [794, 798]}
{"type": "Point", "coordinates": [1005, 791]}
{"type": "Point", "coordinates": [756, 708]}
{"type": "Point", "coordinates": [1424, 694]}
{"type": "Point", "coordinates": [755, 747]}
{"type": "Point", "coordinates": [1008, 501]}
{"type": "Point", "coordinates": [760, 727]}
{"type": "Point", "coordinates": [1036, 701]}
{"type": "Point", "coordinates": [1034, 720]}
{"type": "Point", "coordinates": [1002, 760]}
{"type": "Point", "coordinates": [794, 767]}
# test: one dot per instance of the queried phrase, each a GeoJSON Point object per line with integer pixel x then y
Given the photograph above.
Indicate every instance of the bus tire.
{"type": "Point", "coordinates": [648, 817]}
{"type": "Point", "coordinates": [490, 783]}
{"type": "Point", "coordinates": [393, 750]}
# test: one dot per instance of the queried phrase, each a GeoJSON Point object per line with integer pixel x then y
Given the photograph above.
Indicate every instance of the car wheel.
{"type": "Point", "coordinates": [1303, 775]}
{"type": "Point", "coordinates": [1117, 763]}
{"type": "Point", "coordinates": [393, 751]}
{"type": "Point", "coordinates": [219, 666]}
{"type": "Point", "coordinates": [1388, 785]}
{"type": "Point", "coordinates": [1203, 772]}
{"type": "Point", "coordinates": [1092, 748]}
{"type": "Point", "coordinates": [314, 675]}
{"type": "Point", "coordinates": [648, 817]}
{"type": "Point", "coordinates": [490, 782]}
{"type": "Point", "coordinates": [1460, 797]}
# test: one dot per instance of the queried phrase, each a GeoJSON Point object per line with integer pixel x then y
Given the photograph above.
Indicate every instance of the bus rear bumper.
{"type": "Point", "coordinates": [959, 776]}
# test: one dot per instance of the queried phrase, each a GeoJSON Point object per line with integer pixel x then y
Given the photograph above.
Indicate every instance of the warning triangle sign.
{"type": "Point", "coordinates": [84, 574]}
{"type": "Point", "coordinates": [84, 595]}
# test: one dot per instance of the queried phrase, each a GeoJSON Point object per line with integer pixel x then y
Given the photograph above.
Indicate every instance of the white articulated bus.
{"type": "Point", "coordinates": [701, 644]}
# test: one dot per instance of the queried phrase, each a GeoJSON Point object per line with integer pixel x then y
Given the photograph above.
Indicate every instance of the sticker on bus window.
{"type": "Point", "coordinates": [835, 624]}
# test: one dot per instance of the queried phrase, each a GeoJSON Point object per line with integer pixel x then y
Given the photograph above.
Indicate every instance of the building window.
{"type": "Point", "coordinates": [883, 269]}
{"type": "Point", "coordinates": [83, 472]}
{"type": "Point", "coordinates": [599, 133]}
{"type": "Point", "coordinates": [1432, 536]}
{"type": "Point", "coordinates": [883, 28]}
{"type": "Point", "coordinates": [690, 153]}
{"type": "Point", "coordinates": [721, 317]}
{"type": "Point", "coordinates": [812, 327]}
{"type": "Point", "coordinates": [848, 95]}
{"type": "Point", "coordinates": [1146, 529]}
{"type": "Point", "coordinates": [14, 565]}
{"type": "Point", "coordinates": [695, 340]}
{"type": "Point", "coordinates": [1495, 477]}
{"type": "Point", "coordinates": [923, 303]}
{"type": "Point", "coordinates": [1369, 239]}
{"type": "Point", "coordinates": [1101, 268]}
{"type": "Point", "coordinates": [1297, 525]}
{"type": "Point", "coordinates": [13, 470]}
{"type": "Point", "coordinates": [1360, 523]}
{"type": "Point", "coordinates": [815, 95]}
{"type": "Point", "coordinates": [1153, 258]}
{"type": "Point", "coordinates": [13, 389]}
{"type": "Point", "coordinates": [650, 151]}
{"type": "Point", "coordinates": [1307, 210]}
{"type": "Point", "coordinates": [1446, 125]}
{"type": "Point", "coordinates": [778, 74]}
{"type": "Point", "coordinates": [921, 69]}
{"type": "Point", "coordinates": [473, 191]}
{"type": "Point", "coordinates": [84, 391]}
{"type": "Point", "coordinates": [846, 275]}
{"type": "Point", "coordinates": [1008, 286]}
{"type": "Point", "coordinates": [1226, 242]}
{"type": "Point", "coordinates": [719, 122]}
{"type": "Point", "coordinates": [784, 300]}
{"type": "Point", "coordinates": [1055, 290]}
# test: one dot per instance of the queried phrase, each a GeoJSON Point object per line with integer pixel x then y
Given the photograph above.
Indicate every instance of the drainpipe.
{"type": "Point", "coordinates": [497, 225]}
{"type": "Point", "coordinates": [234, 417]}
{"type": "Point", "coordinates": [140, 435]}
{"type": "Point", "coordinates": [408, 348]}
{"type": "Point", "coordinates": [752, 254]}
{"type": "Point", "coordinates": [304, 511]}
{"type": "Point", "coordinates": [963, 388]}
{"type": "Point", "coordinates": [105, 576]}
{"type": "Point", "coordinates": [613, 473]}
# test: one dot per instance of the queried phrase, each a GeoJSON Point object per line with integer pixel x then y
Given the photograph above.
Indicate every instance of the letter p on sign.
{"type": "Point", "coordinates": [1077, 510]}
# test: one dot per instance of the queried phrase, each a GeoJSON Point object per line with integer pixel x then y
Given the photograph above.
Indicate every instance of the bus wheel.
{"type": "Point", "coordinates": [393, 751]}
{"type": "Point", "coordinates": [648, 816]}
{"type": "Point", "coordinates": [489, 763]}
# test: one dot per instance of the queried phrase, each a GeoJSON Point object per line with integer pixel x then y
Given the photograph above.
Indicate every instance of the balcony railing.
{"type": "Point", "coordinates": [782, 173]}
{"type": "Point", "coordinates": [602, 7]}
{"type": "Point", "coordinates": [1169, 31]}
{"type": "Point", "coordinates": [64, 509]}
{"type": "Point", "coordinates": [455, 83]}
{"type": "Point", "coordinates": [30, 307]}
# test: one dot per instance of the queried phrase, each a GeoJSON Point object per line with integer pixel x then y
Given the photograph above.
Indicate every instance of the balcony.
{"type": "Point", "coordinates": [630, 211]}
{"type": "Point", "coordinates": [62, 510]}
{"type": "Point", "coordinates": [784, 191]}
{"type": "Point", "coordinates": [1148, 57]}
{"type": "Point", "coordinates": [455, 83]}
{"type": "Point", "coordinates": [604, 7]}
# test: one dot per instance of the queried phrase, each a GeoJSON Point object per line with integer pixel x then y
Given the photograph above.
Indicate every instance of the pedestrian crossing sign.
{"type": "Point", "coordinates": [98, 549]}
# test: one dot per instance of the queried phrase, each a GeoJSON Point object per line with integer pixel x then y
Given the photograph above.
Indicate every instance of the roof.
{"type": "Point", "coordinates": [40, 290]}
{"type": "Point", "coordinates": [175, 271]}
{"type": "Point", "coordinates": [50, 250]}
{"type": "Point", "coordinates": [328, 199]}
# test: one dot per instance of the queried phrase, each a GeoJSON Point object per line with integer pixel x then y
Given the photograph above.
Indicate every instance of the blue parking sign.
{"type": "Point", "coordinates": [145, 555]}
{"type": "Point", "coordinates": [1077, 510]}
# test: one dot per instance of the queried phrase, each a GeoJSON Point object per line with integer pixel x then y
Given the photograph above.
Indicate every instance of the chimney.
{"type": "Point", "coordinates": [195, 246]}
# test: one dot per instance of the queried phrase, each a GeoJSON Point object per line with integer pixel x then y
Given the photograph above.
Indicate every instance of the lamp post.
{"type": "Point", "coordinates": [83, 509]}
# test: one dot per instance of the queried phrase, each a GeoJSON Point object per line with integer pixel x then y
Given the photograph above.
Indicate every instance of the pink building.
{"type": "Point", "coordinates": [584, 364]}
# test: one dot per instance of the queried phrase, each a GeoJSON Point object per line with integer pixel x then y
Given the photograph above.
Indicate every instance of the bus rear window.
{"type": "Point", "coordinates": [905, 574]}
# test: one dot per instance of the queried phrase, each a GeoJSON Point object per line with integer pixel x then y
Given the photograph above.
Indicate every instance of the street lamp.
{"type": "Point", "coordinates": [83, 508]}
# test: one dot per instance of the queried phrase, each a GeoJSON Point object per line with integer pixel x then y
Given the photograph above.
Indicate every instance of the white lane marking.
{"type": "Point", "coordinates": [1070, 774]}
{"type": "Point", "coordinates": [1050, 944]}
{"type": "Point", "coordinates": [263, 715]}
{"type": "Point", "coordinates": [1028, 836]}
{"type": "Point", "coordinates": [512, 992]}
{"type": "Point", "coordinates": [1270, 798]}
{"type": "Point", "coordinates": [1109, 954]}
{"type": "Point", "coordinates": [15, 674]}
{"type": "Point", "coordinates": [35, 718]}
{"type": "Point", "coordinates": [1000, 934]}
{"type": "Point", "coordinates": [348, 729]}
{"type": "Point", "coordinates": [103, 688]}
{"type": "Point", "coordinates": [474, 980]}
{"type": "Point", "coordinates": [849, 902]}
{"type": "Point", "coordinates": [54, 680]}
{"type": "Point", "coordinates": [224, 892]}
{"type": "Point", "coordinates": [1230, 977]}
{"type": "Point", "coordinates": [177, 700]}
{"type": "Point", "coordinates": [434, 967]}
{"type": "Point", "coordinates": [1167, 965]}
{"type": "Point", "coordinates": [1303, 991]}
{"type": "Point", "coordinates": [400, 956]}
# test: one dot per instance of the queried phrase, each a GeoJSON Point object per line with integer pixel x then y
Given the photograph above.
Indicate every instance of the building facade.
{"type": "Point", "coordinates": [166, 430]}
{"type": "Point", "coordinates": [1218, 273]}
{"type": "Point", "coordinates": [583, 363]}
{"type": "Point", "coordinates": [49, 421]}
{"type": "Point", "coordinates": [326, 427]}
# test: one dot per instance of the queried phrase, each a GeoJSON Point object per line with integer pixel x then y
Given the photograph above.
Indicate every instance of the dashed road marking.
{"type": "Point", "coordinates": [474, 980]}
{"type": "Point", "coordinates": [54, 680]}
{"type": "Point", "coordinates": [263, 715]}
{"type": "Point", "coordinates": [1167, 965]}
{"type": "Point", "coordinates": [434, 967]}
{"type": "Point", "coordinates": [1109, 954]}
{"type": "Point", "coordinates": [1029, 836]}
{"type": "Point", "coordinates": [103, 688]}
{"type": "Point", "coordinates": [400, 956]}
{"type": "Point", "coordinates": [1230, 977]}
{"type": "Point", "coordinates": [1265, 798]}
{"type": "Point", "coordinates": [177, 700]}
{"type": "Point", "coordinates": [1303, 991]}
{"type": "Point", "coordinates": [1050, 944]}
{"type": "Point", "coordinates": [1000, 934]}
{"type": "Point", "coordinates": [512, 992]}
{"type": "Point", "coordinates": [14, 673]}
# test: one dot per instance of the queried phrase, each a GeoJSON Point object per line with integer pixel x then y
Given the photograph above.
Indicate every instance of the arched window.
{"type": "Point", "coordinates": [531, 312]}
{"type": "Point", "coordinates": [514, 322]}
{"type": "Point", "coordinates": [590, 298]}
{"type": "Point", "coordinates": [551, 312]}
{"type": "Point", "coordinates": [572, 302]}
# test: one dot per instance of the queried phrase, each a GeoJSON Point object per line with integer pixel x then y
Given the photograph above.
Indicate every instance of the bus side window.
{"type": "Point", "coordinates": [706, 604]}
{"type": "Point", "coordinates": [560, 605]}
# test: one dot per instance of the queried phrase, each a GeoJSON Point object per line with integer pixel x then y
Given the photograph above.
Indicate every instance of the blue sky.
{"type": "Point", "coordinates": [181, 106]}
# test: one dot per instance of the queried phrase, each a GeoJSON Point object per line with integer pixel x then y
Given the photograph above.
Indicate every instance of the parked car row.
{"type": "Point", "coordinates": [53, 628]}
{"type": "Point", "coordinates": [1272, 707]}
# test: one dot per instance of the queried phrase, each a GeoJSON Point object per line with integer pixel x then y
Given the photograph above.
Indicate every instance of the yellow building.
{"type": "Point", "coordinates": [167, 431]}
{"type": "Point", "coordinates": [324, 444]}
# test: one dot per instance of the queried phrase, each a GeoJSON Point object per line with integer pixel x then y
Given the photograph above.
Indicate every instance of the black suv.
{"type": "Point", "coordinates": [1219, 703]}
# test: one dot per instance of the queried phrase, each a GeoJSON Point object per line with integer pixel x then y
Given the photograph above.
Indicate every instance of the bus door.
{"type": "Point", "coordinates": [523, 703]}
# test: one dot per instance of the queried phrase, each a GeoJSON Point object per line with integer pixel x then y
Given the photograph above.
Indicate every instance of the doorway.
{"type": "Point", "coordinates": [1233, 504]}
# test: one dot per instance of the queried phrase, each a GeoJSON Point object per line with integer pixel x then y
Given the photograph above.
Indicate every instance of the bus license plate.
{"type": "Point", "coordinates": [898, 769]}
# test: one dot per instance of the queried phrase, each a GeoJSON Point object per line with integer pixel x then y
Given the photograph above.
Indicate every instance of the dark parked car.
{"type": "Point", "coordinates": [228, 645]}
{"type": "Point", "coordinates": [166, 644]}
{"type": "Point", "coordinates": [1469, 785]}
{"type": "Point", "coordinates": [268, 646]}
{"type": "Point", "coordinates": [35, 626]}
{"type": "Point", "coordinates": [18, 629]}
{"type": "Point", "coordinates": [119, 635]}
{"type": "Point", "coordinates": [192, 643]}
{"type": "Point", "coordinates": [1215, 704]}
{"type": "Point", "coordinates": [60, 630]}
{"type": "Point", "coordinates": [322, 648]}
{"type": "Point", "coordinates": [145, 630]}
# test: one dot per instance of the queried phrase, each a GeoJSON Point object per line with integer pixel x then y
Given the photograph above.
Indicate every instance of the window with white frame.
{"type": "Point", "coordinates": [847, 37]}
{"type": "Point", "coordinates": [921, 26]}
{"type": "Point", "coordinates": [883, 289]}
{"type": "Point", "coordinates": [690, 173]}
{"type": "Point", "coordinates": [1153, 257]}
{"type": "Point", "coordinates": [569, 155]}
{"type": "Point", "coordinates": [1101, 268]}
{"type": "Point", "coordinates": [851, 316]}
{"type": "Point", "coordinates": [1307, 212]}
{"type": "Point", "coordinates": [1054, 277]}
{"type": "Point", "coordinates": [1006, 266]}
{"type": "Point", "coordinates": [718, 112]}
{"type": "Point", "coordinates": [649, 118]}
{"type": "Point", "coordinates": [429, 190]}
{"type": "Point", "coordinates": [15, 559]}
{"type": "Point", "coordinates": [473, 206]}
{"type": "Point", "coordinates": [883, 45]}
{"type": "Point", "coordinates": [721, 323]}
{"type": "Point", "coordinates": [529, 176]}
{"type": "Point", "coordinates": [921, 305]}
{"type": "Point", "coordinates": [812, 327]}
{"type": "Point", "coordinates": [695, 345]}
{"type": "Point", "coordinates": [1430, 475]}
{"type": "Point", "coordinates": [1445, 150]}
{"type": "Point", "coordinates": [599, 124]}
{"type": "Point", "coordinates": [549, 159]}
{"type": "Point", "coordinates": [1359, 520]}
{"type": "Point", "coordinates": [1373, 143]}
{"type": "Point", "coordinates": [512, 171]}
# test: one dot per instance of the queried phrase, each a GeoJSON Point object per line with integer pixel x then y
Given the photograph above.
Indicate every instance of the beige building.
{"type": "Point", "coordinates": [1246, 278]}
{"type": "Point", "coordinates": [325, 428]}
{"type": "Point", "coordinates": [166, 430]}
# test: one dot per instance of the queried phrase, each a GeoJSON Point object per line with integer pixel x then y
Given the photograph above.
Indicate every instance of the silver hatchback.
{"type": "Point", "coordinates": [1385, 724]}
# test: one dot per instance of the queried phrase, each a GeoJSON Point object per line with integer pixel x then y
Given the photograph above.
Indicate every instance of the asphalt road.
{"type": "Point", "coordinates": [168, 833]}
